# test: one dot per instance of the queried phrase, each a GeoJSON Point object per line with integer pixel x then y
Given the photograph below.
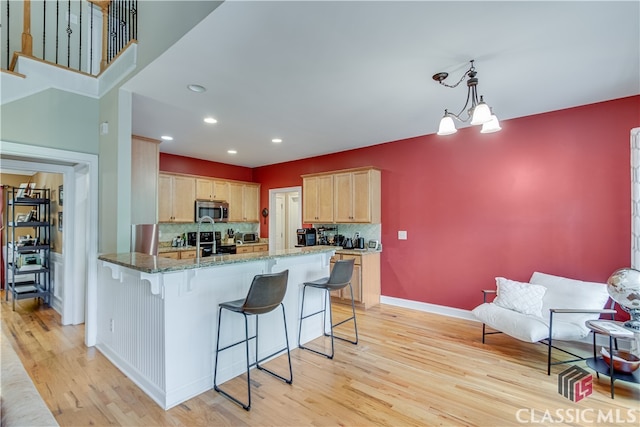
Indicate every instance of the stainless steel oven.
{"type": "Point", "coordinates": [219, 211]}
{"type": "Point", "coordinates": [207, 240]}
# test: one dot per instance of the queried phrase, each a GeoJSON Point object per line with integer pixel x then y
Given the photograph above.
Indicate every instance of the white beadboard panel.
{"type": "Point", "coordinates": [164, 339]}
{"type": "Point", "coordinates": [137, 316]}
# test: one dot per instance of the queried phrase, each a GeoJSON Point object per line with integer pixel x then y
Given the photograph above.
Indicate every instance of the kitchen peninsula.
{"type": "Point", "coordinates": [157, 316]}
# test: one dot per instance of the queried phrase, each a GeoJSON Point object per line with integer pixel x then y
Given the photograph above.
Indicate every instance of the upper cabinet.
{"type": "Point", "coordinates": [177, 194]}
{"type": "Point", "coordinates": [357, 196]}
{"type": "Point", "coordinates": [212, 189]}
{"type": "Point", "coordinates": [244, 200]}
{"type": "Point", "coordinates": [317, 198]}
{"type": "Point", "coordinates": [353, 196]}
{"type": "Point", "coordinates": [176, 197]}
{"type": "Point", "coordinates": [144, 179]}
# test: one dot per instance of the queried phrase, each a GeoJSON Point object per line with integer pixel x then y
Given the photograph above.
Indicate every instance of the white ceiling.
{"type": "Point", "coordinates": [332, 76]}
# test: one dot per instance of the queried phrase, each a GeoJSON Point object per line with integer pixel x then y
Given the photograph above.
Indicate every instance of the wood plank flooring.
{"type": "Point", "coordinates": [409, 369]}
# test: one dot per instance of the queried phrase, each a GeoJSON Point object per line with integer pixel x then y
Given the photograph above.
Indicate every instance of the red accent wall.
{"type": "Point", "coordinates": [191, 166]}
{"type": "Point", "coordinates": [550, 192]}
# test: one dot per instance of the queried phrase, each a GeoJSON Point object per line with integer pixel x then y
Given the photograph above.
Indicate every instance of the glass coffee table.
{"type": "Point", "coordinates": [614, 330]}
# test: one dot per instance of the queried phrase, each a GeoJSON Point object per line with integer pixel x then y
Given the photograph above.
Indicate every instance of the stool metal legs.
{"type": "Point", "coordinates": [324, 313]}
{"type": "Point", "coordinates": [289, 380]}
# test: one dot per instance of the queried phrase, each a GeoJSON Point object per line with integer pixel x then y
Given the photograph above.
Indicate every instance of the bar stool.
{"type": "Point", "coordinates": [265, 294]}
{"type": "Point", "coordinates": [340, 277]}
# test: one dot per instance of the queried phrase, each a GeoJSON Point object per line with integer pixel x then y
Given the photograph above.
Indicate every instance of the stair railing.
{"type": "Point", "coordinates": [82, 35]}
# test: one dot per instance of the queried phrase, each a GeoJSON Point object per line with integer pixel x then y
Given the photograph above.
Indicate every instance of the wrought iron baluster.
{"type": "Point", "coordinates": [135, 20]}
{"type": "Point", "coordinates": [8, 33]}
{"type": "Point", "coordinates": [69, 31]}
{"type": "Point", "coordinates": [57, 27]}
{"type": "Point", "coordinates": [80, 44]}
{"type": "Point", "coordinates": [112, 17]}
{"type": "Point", "coordinates": [44, 30]}
{"type": "Point", "coordinates": [91, 38]}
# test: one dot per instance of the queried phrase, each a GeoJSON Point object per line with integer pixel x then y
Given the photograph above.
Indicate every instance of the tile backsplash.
{"type": "Point", "coordinates": [169, 230]}
{"type": "Point", "coordinates": [368, 231]}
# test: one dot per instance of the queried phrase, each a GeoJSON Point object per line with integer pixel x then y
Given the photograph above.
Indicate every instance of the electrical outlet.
{"type": "Point", "coordinates": [402, 235]}
{"type": "Point", "coordinates": [111, 325]}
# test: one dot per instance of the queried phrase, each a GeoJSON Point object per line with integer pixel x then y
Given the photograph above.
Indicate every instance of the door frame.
{"type": "Point", "coordinates": [80, 246]}
{"type": "Point", "coordinates": [272, 208]}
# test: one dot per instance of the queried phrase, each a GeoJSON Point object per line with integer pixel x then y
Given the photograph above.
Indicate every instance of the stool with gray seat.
{"type": "Point", "coordinates": [265, 294]}
{"type": "Point", "coordinates": [340, 278]}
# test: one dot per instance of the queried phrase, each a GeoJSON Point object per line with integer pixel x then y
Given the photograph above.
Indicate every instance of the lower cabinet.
{"type": "Point", "coordinates": [172, 255]}
{"type": "Point", "coordinates": [365, 281]}
{"type": "Point", "coordinates": [188, 254]}
{"type": "Point", "coordinates": [178, 254]}
{"type": "Point", "coordinates": [243, 249]}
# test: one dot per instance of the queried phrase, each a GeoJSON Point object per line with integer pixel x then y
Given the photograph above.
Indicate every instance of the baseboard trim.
{"type": "Point", "coordinates": [429, 308]}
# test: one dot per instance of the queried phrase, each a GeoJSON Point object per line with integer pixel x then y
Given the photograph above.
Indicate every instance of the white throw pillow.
{"type": "Point", "coordinates": [524, 298]}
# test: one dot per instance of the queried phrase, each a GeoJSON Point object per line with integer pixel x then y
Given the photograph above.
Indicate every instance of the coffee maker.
{"type": "Point", "coordinates": [306, 237]}
{"type": "Point", "coordinates": [323, 235]}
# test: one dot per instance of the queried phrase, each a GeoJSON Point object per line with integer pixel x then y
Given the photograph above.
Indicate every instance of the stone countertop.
{"type": "Point", "coordinates": [153, 264]}
{"type": "Point", "coordinates": [363, 252]}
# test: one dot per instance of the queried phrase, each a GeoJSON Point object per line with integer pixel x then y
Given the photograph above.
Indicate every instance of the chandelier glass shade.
{"type": "Point", "coordinates": [475, 111]}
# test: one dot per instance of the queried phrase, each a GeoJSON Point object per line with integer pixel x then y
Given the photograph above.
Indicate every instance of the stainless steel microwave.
{"type": "Point", "coordinates": [219, 211]}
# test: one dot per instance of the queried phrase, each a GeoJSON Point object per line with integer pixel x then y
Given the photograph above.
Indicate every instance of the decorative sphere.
{"type": "Point", "coordinates": [624, 288]}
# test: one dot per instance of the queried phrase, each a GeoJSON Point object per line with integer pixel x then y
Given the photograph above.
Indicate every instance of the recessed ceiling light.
{"type": "Point", "coordinates": [210, 120]}
{"type": "Point", "coordinates": [232, 152]}
{"type": "Point", "coordinates": [276, 140]}
{"type": "Point", "coordinates": [196, 88]}
{"type": "Point", "coordinates": [167, 137]}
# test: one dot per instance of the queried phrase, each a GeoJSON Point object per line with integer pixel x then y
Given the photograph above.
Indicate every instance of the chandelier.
{"type": "Point", "coordinates": [478, 113]}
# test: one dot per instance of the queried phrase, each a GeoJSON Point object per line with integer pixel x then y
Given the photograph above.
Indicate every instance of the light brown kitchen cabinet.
{"type": "Point", "coordinates": [365, 280]}
{"type": "Point", "coordinates": [211, 189]}
{"type": "Point", "coordinates": [244, 249]}
{"type": "Point", "coordinates": [188, 254]}
{"type": "Point", "coordinates": [176, 196]}
{"type": "Point", "coordinates": [144, 179]}
{"type": "Point", "coordinates": [243, 202]}
{"type": "Point", "coordinates": [357, 196]}
{"type": "Point", "coordinates": [260, 248]}
{"type": "Point", "coordinates": [172, 255]}
{"type": "Point", "coordinates": [317, 198]}
{"type": "Point", "coordinates": [178, 254]}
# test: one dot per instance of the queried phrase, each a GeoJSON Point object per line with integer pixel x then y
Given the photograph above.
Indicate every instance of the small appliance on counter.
{"type": "Point", "coordinates": [347, 244]}
{"type": "Point", "coordinates": [306, 237]}
{"type": "Point", "coordinates": [242, 238]}
{"type": "Point", "coordinates": [323, 237]}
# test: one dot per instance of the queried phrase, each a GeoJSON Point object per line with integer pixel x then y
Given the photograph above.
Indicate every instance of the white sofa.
{"type": "Point", "coordinates": [21, 405]}
{"type": "Point", "coordinates": [545, 309]}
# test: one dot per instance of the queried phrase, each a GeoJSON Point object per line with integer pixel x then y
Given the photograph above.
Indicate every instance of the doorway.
{"type": "Point", "coordinates": [80, 247]}
{"type": "Point", "coordinates": [285, 203]}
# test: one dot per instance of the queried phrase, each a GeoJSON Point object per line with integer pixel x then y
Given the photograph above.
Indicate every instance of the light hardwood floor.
{"type": "Point", "coordinates": [409, 369]}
